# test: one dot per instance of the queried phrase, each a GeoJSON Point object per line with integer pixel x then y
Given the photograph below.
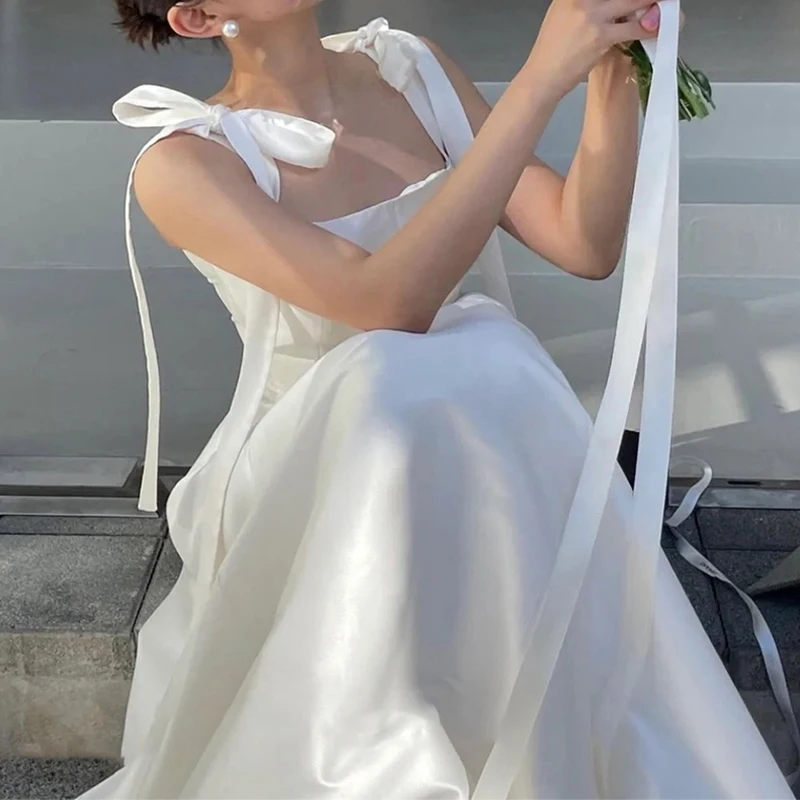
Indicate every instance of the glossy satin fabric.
{"type": "Point", "coordinates": [380, 535]}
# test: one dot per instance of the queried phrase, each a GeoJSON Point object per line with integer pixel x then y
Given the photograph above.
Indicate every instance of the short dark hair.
{"type": "Point", "coordinates": [144, 22]}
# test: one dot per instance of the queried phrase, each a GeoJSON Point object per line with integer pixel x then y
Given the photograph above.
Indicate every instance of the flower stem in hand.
{"type": "Point", "coordinates": [695, 99]}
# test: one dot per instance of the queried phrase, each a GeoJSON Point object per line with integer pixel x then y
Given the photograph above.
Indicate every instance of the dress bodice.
{"type": "Point", "coordinates": [282, 341]}
{"type": "Point", "coordinates": [303, 337]}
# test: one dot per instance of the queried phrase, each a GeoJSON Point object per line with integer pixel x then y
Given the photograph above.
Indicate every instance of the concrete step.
{"type": "Point", "coordinates": [51, 778]}
{"type": "Point", "coordinates": [74, 592]}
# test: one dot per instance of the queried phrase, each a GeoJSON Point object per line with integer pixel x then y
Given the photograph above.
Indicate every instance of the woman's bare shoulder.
{"type": "Point", "coordinates": [179, 164]}
{"type": "Point", "coordinates": [183, 153]}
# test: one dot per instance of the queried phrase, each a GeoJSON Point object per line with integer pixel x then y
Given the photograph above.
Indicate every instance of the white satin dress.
{"type": "Point", "coordinates": [371, 531]}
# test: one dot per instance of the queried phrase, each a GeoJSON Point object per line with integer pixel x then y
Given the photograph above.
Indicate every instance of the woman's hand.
{"type": "Point", "coordinates": [651, 18]}
{"type": "Point", "coordinates": [576, 34]}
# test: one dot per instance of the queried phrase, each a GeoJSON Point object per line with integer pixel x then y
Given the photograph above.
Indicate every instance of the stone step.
{"type": "Point", "coordinates": [51, 778]}
{"type": "Point", "coordinates": [74, 591]}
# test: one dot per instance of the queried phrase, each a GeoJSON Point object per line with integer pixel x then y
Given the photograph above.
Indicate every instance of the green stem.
{"type": "Point", "coordinates": [694, 90]}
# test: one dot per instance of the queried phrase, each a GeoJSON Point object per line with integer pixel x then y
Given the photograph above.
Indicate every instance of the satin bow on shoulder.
{"type": "Point", "coordinates": [282, 137]}
{"type": "Point", "coordinates": [393, 52]}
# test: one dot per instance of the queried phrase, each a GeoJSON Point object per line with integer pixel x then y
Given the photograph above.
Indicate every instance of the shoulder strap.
{"type": "Point", "coordinates": [148, 497]}
{"type": "Point", "coordinates": [158, 107]}
{"type": "Point", "coordinates": [457, 136]}
{"type": "Point", "coordinates": [402, 57]}
{"type": "Point", "coordinates": [396, 55]}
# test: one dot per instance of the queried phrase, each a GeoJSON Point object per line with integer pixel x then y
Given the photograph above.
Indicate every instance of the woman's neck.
{"type": "Point", "coordinates": [282, 66]}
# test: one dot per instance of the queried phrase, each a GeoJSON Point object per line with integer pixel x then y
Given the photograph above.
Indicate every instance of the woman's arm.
{"type": "Point", "coordinates": [598, 190]}
{"type": "Point", "coordinates": [203, 199]}
{"type": "Point", "coordinates": [577, 223]}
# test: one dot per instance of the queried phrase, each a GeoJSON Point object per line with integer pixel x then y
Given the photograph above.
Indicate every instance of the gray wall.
{"type": "Point", "coordinates": [71, 368]}
{"type": "Point", "coordinates": [63, 60]}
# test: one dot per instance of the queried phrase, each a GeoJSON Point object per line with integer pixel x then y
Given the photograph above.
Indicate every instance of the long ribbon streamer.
{"type": "Point", "coordinates": [650, 251]}
{"type": "Point", "coordinates": [764, 637]}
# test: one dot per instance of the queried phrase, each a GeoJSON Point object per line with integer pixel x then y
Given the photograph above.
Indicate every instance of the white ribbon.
{"type": "Point", "coordinates": [646, 521]}
{"type": "Point", "coordinates": [150, 106]}
{"type": "Point", "coordinates": [158, 107]}
{"type": "Point", "coordinates": [148, 495]}
{"type": "Point", "coordinates": [457, 138]}
{"type": "Point", "coordinates": [396, 60]}
{"type": "Point", "coordinates": [648, 299]}
{"type": "Point", "coordinates": [281, 137]}
{"type": "Point", "coordinates": [764, 637]}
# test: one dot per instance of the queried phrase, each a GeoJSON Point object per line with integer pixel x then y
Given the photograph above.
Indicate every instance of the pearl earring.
{"type": "Point", "coordinates": [230, 29]}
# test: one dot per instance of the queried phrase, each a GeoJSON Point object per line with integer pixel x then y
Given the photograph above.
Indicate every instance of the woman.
{"type": "Point", "coordinates": [370, 532]}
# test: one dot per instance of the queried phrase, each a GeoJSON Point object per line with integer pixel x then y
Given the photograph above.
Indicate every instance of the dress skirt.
{"type": "Point", "coordinates": [389, 532]}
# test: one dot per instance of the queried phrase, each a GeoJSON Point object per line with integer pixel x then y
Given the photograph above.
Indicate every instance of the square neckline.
{"type": "Point", "coordinates": [407, 190]}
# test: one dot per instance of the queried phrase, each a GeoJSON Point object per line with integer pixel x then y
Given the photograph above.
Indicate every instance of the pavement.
{"type": "Point", "coordinates": [50, 778]}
